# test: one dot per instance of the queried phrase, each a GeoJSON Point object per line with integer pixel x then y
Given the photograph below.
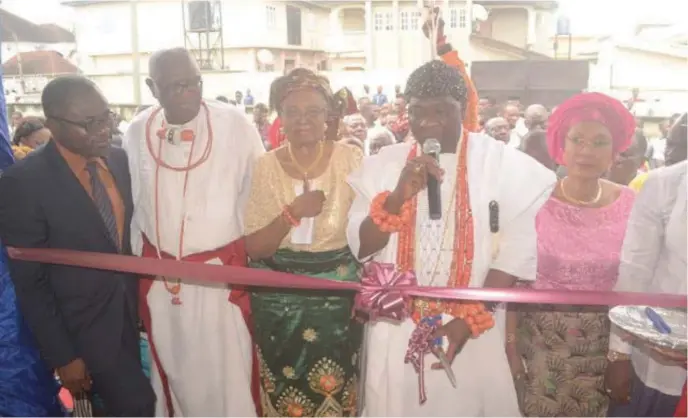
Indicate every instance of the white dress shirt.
{"type": "Point", "coordinates": [517, 133]}
{"type": "Point", "coordinates": [653, 260]}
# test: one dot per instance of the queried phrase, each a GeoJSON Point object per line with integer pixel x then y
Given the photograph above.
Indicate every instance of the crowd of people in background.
{"type": "Point", "coordinates": [377, 121]}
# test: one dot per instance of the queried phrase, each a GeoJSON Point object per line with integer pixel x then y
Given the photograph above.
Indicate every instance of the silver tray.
{"type": "Point", "coordinates": [633, 320]}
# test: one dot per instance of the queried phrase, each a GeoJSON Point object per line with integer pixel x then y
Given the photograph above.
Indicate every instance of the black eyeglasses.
{"type": "Point", "coordinates": [182, 87]}
{"type": "Point", "coordinates": [91, 125]}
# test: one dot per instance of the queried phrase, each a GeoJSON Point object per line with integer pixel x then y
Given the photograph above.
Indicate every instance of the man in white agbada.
{"type": "Point", "coordinates": [653, 260]}
{"type": "Point", "coordinates": [502, 254]}
{"type": "Point", "coordinates": [190, 161]}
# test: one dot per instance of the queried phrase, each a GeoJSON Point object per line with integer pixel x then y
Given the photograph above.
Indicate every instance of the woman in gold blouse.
{"type": "Point", "coordinates": [295, 222]}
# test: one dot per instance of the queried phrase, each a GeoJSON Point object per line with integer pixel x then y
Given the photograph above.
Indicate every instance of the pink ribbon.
{"type": "Point", "coordinates": [241, 276]}
{"type": "Point", "coordinates": [383, 292]}
{"type": "Point", "coordinates": [419, 345]}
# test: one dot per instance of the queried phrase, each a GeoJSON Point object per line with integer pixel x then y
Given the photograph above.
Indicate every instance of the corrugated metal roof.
{"type": "Point", "coordinates": [18, 29]}
{"type": "Point", "coordinates": [39, 62]}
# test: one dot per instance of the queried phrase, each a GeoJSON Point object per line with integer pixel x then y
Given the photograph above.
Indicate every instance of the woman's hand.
{"type": "Point", "coordinates": [457, 333]}
{"type": "Point", "coordinates": [309, 204]}
{"type": "Point", "coordinates": [413, 179]}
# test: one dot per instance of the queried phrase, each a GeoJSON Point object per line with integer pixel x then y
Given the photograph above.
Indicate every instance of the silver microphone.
{"type": "Point", "coordinates": [432, 147]}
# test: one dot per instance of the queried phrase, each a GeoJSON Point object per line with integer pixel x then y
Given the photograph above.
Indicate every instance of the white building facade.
{"type": "Point", "coordinates": [658, 73]}
{"type": "Point", "coordinates": [375, 42]}
{"type": "Point", "coordinates": [376, 34]}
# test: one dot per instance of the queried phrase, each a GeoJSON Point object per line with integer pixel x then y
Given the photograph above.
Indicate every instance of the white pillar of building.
{"type": "Point", "coordinates": [396, 21]}
{"type": "Point", "coordinates": [135, 56]}
{"type": "Point", "coordinates": [467, 55]}
{"type": "Point", "coordinates": [531, 34]}
{"type": "Point", "coordinates": [335, 24]}
{"type": "Point", "coordinates": [253, 59]}
{"type": "Point", "coordinates": [369, 29]}
{"type": "Point", "coordinates": [335, 34]}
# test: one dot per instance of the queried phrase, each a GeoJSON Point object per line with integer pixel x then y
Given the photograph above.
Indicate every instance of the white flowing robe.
{"type": "Point", "coordinates": [204, 345]}
{"type": "Point", "coordinates": [520, 185]}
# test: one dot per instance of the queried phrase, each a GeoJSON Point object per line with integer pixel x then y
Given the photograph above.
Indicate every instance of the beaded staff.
{"type": "Point", "coordinates": [430, 12]}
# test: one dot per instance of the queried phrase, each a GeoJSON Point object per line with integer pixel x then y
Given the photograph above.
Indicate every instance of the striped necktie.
{"type": "Point", "coordinates": [103, 203]}
{"type": "Point", "coordinates": [82, 406]}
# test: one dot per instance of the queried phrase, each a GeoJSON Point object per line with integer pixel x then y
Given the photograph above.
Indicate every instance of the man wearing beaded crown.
{"type": "Point", "coordinates": [485, 238]}
{"type": "Point", "coordinates": [191, 162]}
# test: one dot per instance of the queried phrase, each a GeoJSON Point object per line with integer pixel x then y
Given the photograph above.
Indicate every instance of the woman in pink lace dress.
{"type": "Point", "coordinates": [580, 232]}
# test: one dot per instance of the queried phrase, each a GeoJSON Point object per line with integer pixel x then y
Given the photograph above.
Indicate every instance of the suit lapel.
{"type": "Point", "coordinates": [75, 191]}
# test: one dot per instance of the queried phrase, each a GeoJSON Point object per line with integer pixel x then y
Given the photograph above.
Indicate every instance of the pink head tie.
{"type": "Point", "coordinates": [589, 107]}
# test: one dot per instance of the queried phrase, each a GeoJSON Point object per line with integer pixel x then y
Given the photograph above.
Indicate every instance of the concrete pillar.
{"type": "Point", "coordinates": [135, 56]}
{"type": "Point", "coordinates": [396, 17]}
{"type": "Point", "coordinates": [369, 30]}
{"type": "Point", "coordinates": [531, 35]}
{"type": "Point", "coordinates": [468, 54]}
{"type": "Point", "coordinates": [253, 59]}
{"type": "Point", "coordinates": [335, 30]}
{"type": "Point", "coordinates": [335, 23]}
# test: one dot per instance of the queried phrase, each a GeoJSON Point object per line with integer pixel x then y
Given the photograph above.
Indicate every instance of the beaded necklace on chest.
{"type": "Point", "coordinates": [173, 286]}
{"type": "Point", "coordinates": [443, 227]}
{"type": "Point", "coordinates": [425, 310]}
{"type": "Point", "coordinates": [427, 313]}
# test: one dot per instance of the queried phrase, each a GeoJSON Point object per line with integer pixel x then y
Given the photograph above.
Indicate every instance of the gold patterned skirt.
{"type": "Point", "coordinates": [565, 352]}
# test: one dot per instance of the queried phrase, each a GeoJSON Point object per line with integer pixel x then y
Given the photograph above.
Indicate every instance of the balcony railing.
{"type": "Point", "coordinates": [346, 42]}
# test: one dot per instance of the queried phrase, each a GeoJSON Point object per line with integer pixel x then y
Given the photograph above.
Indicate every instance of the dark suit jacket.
{"type": "Point", "coordinates": [72, 312]}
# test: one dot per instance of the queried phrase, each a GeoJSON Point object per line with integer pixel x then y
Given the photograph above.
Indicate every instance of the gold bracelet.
{"type": "Point", "coordinates": [614, 356]}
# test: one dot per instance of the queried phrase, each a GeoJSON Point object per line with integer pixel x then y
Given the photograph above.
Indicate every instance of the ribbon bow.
{"type": "Point", "coordinates": [382, 293]}
{"type": "Point", "coordinates": [420, 344]}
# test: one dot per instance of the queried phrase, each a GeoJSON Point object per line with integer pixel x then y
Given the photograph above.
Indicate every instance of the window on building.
{"type": "Point", "coordinates": [293, 26]}
{"type": "Point", "coordinates": [457, 18]}
{"type": "Point", "coordinates": [266, 67]}
{"type": "Point", "coordinates": [377, 21]}
{"type": "Point", "coordinates": [405, 21]}
{"type": "Point", "coordinates": [289, 64]}
{"type": "Point", "coordinates": [453, 18]}
{"type": "Point", "coordinates": [462, 18]}
{"type": "Point", "coordinates": [270, 16]}
{"type": "Point", "coordinates": [389, 21]}
{"type": "Point", "coordinates": [415, 18]}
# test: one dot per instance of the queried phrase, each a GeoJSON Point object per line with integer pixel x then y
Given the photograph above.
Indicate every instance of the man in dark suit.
{"type": "Point", "coordinates": [75, 194]}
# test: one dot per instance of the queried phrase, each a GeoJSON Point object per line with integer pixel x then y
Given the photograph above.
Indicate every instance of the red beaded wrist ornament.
{"type": "Point", "coordinates": [475, 315]}
{"type": "Point", "coordinates": [289, 217]}
{"type": "Point", "coordinates": [389, 222]}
